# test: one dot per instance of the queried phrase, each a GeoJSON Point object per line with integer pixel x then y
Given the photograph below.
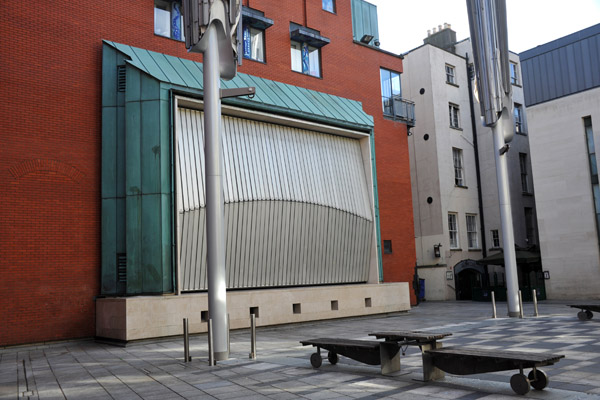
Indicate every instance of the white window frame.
{"type": "Point", "coordinates": [472, 235]}
{"type": "Point", "coordinates": [450, 74]}
{"type": "Point", "coordinates": [519, 119]}
{"type": "Point", "coordinates": [453, 230]}
{"type": "Point", "coordinates": [514, 73]}
{"type": "Point", "coordinates": [163, 9]}
{"type": "Point", "coordinates": [495, 238]}
{"type": "Point", "coordinates": [314, 59]}
{"type": "Point", "coordinates": [459, 169]}
{"type": "Point", "coordinates": [454, 115]}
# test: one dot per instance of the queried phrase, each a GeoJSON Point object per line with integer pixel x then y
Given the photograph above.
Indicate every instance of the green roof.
{"type": "Point", "coordinates": [271, 96]}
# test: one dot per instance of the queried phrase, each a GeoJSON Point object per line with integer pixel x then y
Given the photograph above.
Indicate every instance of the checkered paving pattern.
{"type": "Point", "coordinates": [155, 369]}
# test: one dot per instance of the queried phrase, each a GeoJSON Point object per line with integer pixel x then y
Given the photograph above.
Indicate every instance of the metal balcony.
{"type": "Point", "coordinates": [399, 109]}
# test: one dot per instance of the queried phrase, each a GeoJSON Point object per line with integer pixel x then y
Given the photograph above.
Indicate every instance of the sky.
{"type": "Point", "coordinates": [403, 24]}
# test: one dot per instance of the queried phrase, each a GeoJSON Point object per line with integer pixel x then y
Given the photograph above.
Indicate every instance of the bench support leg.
{"type": "Point", "coordinates": [390, 357]}
{"type": "Point", "coordinates": [430, 371]}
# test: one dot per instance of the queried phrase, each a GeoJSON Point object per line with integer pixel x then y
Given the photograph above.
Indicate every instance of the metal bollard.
{"type": "Point", "coordinates": [535, 306]}
{"type": "Point", "coordinates": [520, 305]}
{"type": "Point", "coordinates": [211, 354]}
{"type": "Point", "coordinates": [252, 337]}
{"type": "Point", "coordinates": [493, 305]}
{"type": "Point", "coordinates": [228, 340]}
{"type": "Point", "coordinates": [186, 341]}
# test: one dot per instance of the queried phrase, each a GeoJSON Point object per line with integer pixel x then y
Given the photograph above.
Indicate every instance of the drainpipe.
{"type": "Point", "coordinates": [477, 170]}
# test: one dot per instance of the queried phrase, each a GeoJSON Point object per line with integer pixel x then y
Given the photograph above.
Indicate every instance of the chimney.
{"type": "Point", "coordinates": [443, 37]}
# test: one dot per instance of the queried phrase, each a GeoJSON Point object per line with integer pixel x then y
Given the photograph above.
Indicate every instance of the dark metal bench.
{"type": "Point", "coordinates": [369, 352]}
{"type": "Point", "coordinates": [467, 361]}
{"type": "Point", "coordinates": [586, 310]}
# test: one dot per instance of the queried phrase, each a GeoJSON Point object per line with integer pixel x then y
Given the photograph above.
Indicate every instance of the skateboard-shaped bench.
{"type": "Point", "coordinates": [369, 352]}
{"type": "Point", "coordinates": [586, 310]}
{"type": "Point", "coordinates": [467, 361]}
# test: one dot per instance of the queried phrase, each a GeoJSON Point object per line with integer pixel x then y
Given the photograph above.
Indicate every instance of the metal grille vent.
{"type": "Point", "coordinates": [121, 78]}
{"type": "Point", "coordinates": [121, 267]}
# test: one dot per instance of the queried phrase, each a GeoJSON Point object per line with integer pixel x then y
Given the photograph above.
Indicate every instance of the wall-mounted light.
{"type": "Point", "coordinates": [366, 39]}
{"type": "Point", "coordinates": [436, 250]}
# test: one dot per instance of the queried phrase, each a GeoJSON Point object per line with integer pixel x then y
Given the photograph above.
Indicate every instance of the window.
{"type": "Point", "coordinates": [254, 43]}
{"type": "Point", "coordinates": [329, 5]}
{"type": "Point", "coordinates": [524, 176]}
{"type": "Point", "coordinates": [457, 157]}
{"type": "Point", "coordinates": [305, 59]}
{"type": "Point", "coordinates": [472, 231]}
{"type": "Point", "coordinates": [514, 73]}
{"type": "Point", "coordinates": [519, 122]}
{"type": "Point", "coordinates": [453, 230]}
{"type": "Point", "coordinates": [450, 78]}
{"type": "Point", "coordinates": [390, 90]}
{"type": "Point", "coordinates": [387, 247]}
{"type": "Point", "coordinates": [168, 20]}
{"type": "Point", "coordinates": [453, 112]}
{"type": "Point", "coordinates": [529, 226]}
{"type": "Point", "coordinates": [591, 149]}
{"type": "Point", "coordinates": [495, 239]}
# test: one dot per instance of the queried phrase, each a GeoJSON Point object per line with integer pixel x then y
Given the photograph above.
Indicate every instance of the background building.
{"type": "Point", "coordinates": [455, 193]}
{"type": "Point", "coordinates": [562, 93]}
{"type": "Point", "coordinates": [95, 149]}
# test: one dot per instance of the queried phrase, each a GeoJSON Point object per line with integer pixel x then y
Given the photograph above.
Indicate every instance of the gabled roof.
{"type": "Point", "coordinates": [271, 96]}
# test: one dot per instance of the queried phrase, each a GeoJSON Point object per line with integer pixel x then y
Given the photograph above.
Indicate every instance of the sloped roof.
{"type": "Point", "coordinates": [271, 96]}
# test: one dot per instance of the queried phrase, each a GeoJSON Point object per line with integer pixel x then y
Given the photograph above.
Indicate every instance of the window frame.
{"type": "Point", "coordinates": [519, 118]}
{"type": "Point", "coordinates": [495, 233]}
{"type": "Point", "coordinates": [333, 6]}
{"type": "Point", "coordinates": [472, 234]}
{"type": "Point", "coordinates": [250, 28]}
{"type": "Point", "coordinates": [514, 73]}
{"type": "Point", "coordinates": [459, 170]}
{"type": "Point", "coordinates": [453, 233]}
{"type": "Point", "coordinates": [529, 225]}
{"type": "Point", "coordinates": [158, 4]}
{"type": "Point", "coordinates": [393, 92]}
{"type": "Point", "coordinates": [301, 70]}
{"type": "Point", "coordinates": [524, 173]}
{"type": "Point", "coordinates": [450, 77]}
{"type": "Point", "coordinates": [454, 113]}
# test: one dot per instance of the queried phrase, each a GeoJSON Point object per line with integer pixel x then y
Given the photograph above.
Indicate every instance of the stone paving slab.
{"type": "Point", "coordinates": [155, 369]}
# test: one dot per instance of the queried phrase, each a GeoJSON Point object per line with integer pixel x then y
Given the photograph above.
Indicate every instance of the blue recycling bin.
{"type": "Point", "coordinates": [421, 289]}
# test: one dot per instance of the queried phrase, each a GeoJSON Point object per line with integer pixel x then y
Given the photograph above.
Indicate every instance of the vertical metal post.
{"type": "Point", "coordinates": [493, 305]}
{"type": "Point", "coordinates": [211, 353]}
{"type": "Point", "coordinates": [535, 307]}
{"type": "Point", "coordinates": [508, 238]}
{"type": "Point", "coordinates": [252, 336]}
{"type": "Point", "coordinates": [186, 342]}
{"type": "Point", "coordinates": [520, 305]}
{"type": "Point", "coordinates": [215, 209]}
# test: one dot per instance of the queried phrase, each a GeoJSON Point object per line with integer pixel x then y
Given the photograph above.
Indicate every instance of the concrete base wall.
{"type": "Point", "coordinates": [143, 317]}
{"type": "Point", "coordinates": [437, 286]}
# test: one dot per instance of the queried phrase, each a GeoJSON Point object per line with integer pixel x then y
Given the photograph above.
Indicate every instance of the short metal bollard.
{"type": "Point", "coordinates": [493, 305]}
{"type": "Point", "coordinates": [211, 354]}
{"type": "Point", "coordinates": [535, 306]}
{"type": "Point", "coordinates": [252, 337]}
{"type": "Point", "coordinates": [520, 305]}
{"type": "Point", "coordinates": [186, 341]}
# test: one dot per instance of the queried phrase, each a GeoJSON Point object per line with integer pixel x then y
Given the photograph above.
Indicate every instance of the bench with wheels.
{"type": "Point", "coordinates": [366, 351]}
{"type": "Point", "coordinates": [586, 310]}
{"type": "Point", "coordinates": [467, 361]}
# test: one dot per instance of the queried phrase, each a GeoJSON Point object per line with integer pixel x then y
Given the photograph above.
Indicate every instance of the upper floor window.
{"type": "Point", "coordinates": [305, 59]}
{"type": "Point", "coordinates": [495, 238]}
{"type": "Point", "coordinates": [514, 73]}
{"type": "Point", "coordinates": [390, 90]}
{"type": "Point", "coordinates": [472, 237]}
{"type": "Point", "coordinates": [519, 121]}
{"type": "Point", "coordinates": [453, 230]}
{"type": "Point", "coordinates": [524, 175]}
{"type": "Point", "coordinates": [168, 20]}
{"type": "Point", "coordinates": [529, 226]}
{"type": "Point", "coordinates": [457, 158]}
{"type": "Point", "coordinates": [254, 25]}
{"type": "Point", "coordinates": [450, 74]}
{"type": "Point", "coordinates": [329, 5]}
{"type": "Point", "coordinates": [453, 111]}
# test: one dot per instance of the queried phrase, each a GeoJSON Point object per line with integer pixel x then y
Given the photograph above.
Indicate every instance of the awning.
{"type": "Point", "coordinates": [530, 255]}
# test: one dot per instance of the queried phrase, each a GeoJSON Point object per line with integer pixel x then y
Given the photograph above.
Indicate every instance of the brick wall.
{"type": "Point", "coordinates": [50, 145]}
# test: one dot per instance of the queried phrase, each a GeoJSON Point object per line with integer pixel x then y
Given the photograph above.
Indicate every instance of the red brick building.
{"type": "Point", "coordinates": [51, 143]}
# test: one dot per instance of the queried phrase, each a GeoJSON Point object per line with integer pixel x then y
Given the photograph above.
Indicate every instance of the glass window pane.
{"type": "Point", "coordinates": [329, 5]}
{"type": "Point", "coordinates": [590, 139]}
{"type": "Point", "coordinates": [386, 85]}
{"type": "Point", "coordinates": [314, 62]}
{"type": "Point", "coordinates": [257, 45]}
{"type": "Point", "coordinates": [296, 57]}
{"type": "Point", "coordinates": [396, 87]}
{"type": "Point", "coordinates": [162, 22]}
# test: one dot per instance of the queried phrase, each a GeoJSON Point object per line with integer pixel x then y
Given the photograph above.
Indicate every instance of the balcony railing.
{"type": "Point", "coordinates": [400, 109]}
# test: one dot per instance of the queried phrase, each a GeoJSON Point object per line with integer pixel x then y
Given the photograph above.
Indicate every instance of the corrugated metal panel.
{"type": "Point", "coordinates": [271, 95]}
{"type": "Point", "coordinates": [295, 211]}
{"type": "Point", "coordinates": [562, 67]}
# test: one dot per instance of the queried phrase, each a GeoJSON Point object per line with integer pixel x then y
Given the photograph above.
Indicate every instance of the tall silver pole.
{"type": "Point", "coordinates": [508, 237]}
{"type": "Point", "coordinates": [215, 210]}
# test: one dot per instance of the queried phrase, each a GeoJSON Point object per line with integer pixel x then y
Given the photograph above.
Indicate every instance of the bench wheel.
{"type": "Point", "coordinates": [332, 357]}
{"type": "Point", "coordinates": [542, 379]}
{"type": "Point", "coordinates": [584, 315]}
{"type": "Point", "coordinates": [316, 360]}
{"type": "Point", "coordinates": [520, 384]}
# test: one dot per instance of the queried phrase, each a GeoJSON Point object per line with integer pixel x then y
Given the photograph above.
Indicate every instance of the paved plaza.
{"type": "Point", "coordinates": [155, 369]}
